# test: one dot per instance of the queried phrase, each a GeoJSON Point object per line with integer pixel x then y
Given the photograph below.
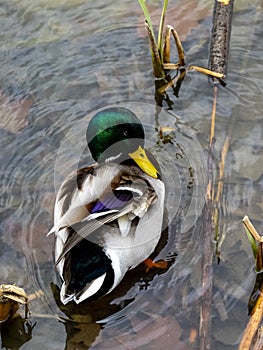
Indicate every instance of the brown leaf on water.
{"type": "Point", "coordinates": [14, 114]}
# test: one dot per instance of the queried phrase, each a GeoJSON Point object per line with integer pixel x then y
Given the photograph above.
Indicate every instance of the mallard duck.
{"type": "Point", "coordinates": [107, 216]}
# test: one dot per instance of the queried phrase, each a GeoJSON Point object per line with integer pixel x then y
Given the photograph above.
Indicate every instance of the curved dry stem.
{"type": "Point", "coordinates": [179, 45]}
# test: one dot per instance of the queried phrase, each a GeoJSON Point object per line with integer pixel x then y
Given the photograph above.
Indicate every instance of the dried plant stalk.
{"type": "Point", "coordinates": [253, 324]}
{"type": "Point", "coordinates": [220, 37]}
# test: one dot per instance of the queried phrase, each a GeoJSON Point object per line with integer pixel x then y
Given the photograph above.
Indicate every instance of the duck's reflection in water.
{"type": "Point", "coordinates": [16, 331]}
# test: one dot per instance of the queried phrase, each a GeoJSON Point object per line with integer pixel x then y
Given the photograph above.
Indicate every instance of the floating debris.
{"type": "Point", "coordinates": [11, 296]}
{"type": "Point", "coordinates": [166, 134]}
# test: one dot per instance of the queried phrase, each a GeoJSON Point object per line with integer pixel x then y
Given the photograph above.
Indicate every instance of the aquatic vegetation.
{"type": "Point", "coordinates": [252, 336]}
{"type": "Point", "coordinates": [161, 61]}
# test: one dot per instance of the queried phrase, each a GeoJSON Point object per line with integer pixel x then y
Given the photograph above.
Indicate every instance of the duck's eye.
{"type": "Point", "coordinates": [125, 132]}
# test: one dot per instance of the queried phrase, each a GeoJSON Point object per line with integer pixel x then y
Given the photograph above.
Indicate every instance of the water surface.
{"type": "Point", "coordinates": [60, 62]}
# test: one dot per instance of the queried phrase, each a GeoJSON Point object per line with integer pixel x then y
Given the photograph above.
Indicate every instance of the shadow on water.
{"type": "Point", "coordinates": [15, 332]}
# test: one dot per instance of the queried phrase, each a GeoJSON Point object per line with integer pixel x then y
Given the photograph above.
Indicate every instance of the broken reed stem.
{"type": "Point", "coordinates": [252, 229]}
{"type": "Point", "coordinates": [221, 176]}
{"type": "Point", "coordinates": [207, 268]}
{"type": "Point", "coordinates": [253, 324]}
{"type": "Point", "coordinates": [205, 71]}
{"type": "Point", "coordinates": [219, 192]}
{"type": "Point", "coordinates": [213, 116]}
{"type": "Point", "coordinates": [222, 169]}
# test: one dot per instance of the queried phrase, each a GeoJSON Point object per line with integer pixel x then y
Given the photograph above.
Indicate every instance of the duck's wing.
{"type": "Point", "coordinates": [78, 193]}
{"type": "Point", "coordinates": [87, 227]}
{"type": "Point", "coordinates": [131, 198]}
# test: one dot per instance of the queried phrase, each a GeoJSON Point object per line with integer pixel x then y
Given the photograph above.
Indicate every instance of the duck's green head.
{"type": "Point", "coordinates": [117, 134]}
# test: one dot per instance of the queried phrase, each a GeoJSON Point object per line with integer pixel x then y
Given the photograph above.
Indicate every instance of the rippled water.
{"type": "Point", "coordinates": [60, 62]}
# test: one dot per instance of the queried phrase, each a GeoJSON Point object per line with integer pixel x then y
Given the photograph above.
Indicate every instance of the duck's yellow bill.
{"type": "Point", "coordinates": [141, 159]}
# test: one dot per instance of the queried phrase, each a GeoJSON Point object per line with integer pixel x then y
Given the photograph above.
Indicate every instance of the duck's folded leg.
{"type": "Point", "coordinates": [161, 264]}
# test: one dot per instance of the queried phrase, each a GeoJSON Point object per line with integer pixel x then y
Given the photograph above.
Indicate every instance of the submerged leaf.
{"type": "Point", "coordinates": [14, 114]}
